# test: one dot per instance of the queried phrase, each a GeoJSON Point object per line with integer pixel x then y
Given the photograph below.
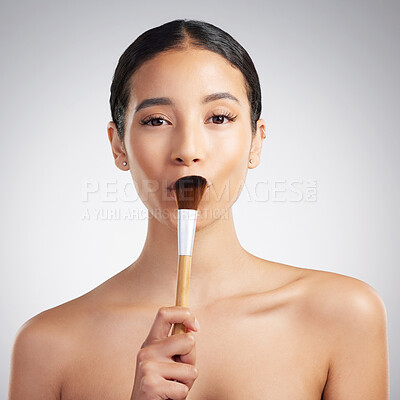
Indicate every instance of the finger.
{"type": "Point", "coordinates": [189, 357]}
{"type": "Point", "coordinates": [166, 317]}
{"type": "Point", "coordinates": [164, 389]}
{"type": "Point", "coordinates": [184, 373]}
{"type": "Point", "coordinates": [174, 390]}
{"type": "Point", "coordinates": [165, 349]}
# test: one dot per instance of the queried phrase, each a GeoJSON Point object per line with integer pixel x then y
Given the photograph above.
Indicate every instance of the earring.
{"type": "Point", "coordinates": [251, 161]}
{"type": "Point", "coordinates": [124, 163]}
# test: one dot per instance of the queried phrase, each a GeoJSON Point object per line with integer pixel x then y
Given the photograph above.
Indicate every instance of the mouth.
{"type": "Point", "coordinates": [170, 187]}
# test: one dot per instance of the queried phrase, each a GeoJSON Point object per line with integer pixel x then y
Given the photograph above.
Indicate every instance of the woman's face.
{"type": "Point", "coordinates": [188, 132]}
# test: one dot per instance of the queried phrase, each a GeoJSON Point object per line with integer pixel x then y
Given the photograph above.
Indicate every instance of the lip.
{"type": "Point", "coordinates": [171, 185]}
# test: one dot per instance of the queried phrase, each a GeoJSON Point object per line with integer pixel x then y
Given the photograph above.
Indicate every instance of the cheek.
{"type": "Point", "coordinates": [147, 155]}
{"type": "Point", "coordinates": [231, 157]}
{"type": "Point", "coordinates": [233, 152]}
{"type": "Point", "coordinates": [146, 163]}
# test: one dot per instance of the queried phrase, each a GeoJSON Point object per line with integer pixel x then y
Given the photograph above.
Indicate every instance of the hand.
{"type": "Point", "coordinates": [156, 368]}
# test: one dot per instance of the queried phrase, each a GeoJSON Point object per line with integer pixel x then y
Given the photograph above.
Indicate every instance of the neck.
{"type": "Point", "coordinates": [217, 269]}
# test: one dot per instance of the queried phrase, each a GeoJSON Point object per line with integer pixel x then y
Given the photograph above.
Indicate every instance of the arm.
{"type": "Point", "coordinates": [359, 368]}
{"type": "Point", "coordinates": [35, 364]}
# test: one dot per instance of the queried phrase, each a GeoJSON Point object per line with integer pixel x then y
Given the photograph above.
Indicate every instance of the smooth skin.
{"type": "Point", "coordinates": [268, 330]}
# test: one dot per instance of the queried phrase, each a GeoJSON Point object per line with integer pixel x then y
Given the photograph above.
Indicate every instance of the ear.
{"type": "Point", "coordinates": [256, 144]}
{"type": "Point", "coordinates": [117, 147]}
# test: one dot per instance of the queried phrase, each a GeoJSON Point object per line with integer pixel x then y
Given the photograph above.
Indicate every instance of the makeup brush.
{"type": "Point", "coordinates": [188, 192]}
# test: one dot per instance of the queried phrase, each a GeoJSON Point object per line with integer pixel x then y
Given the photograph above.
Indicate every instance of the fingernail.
{"type": "Point", "coordinates": [196, 324]}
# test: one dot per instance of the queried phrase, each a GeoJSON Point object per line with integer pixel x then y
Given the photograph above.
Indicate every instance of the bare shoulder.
{"type": "Point", "coordinates": [350, 317]}
{"type": "Point", "coordinates": [41, 351]}
{"type": "Point", "coordinates": [356, 319]}
{"type": "Point", "coordinates": [332, 294]}
{"type": "Point", "coordinates": [343, 298]}
{"type": "Point", "coordinates": [343, 306]}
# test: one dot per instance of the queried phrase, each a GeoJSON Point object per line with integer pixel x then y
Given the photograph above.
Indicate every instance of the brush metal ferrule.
{"type": "Point", "coordinates": [186, 230]}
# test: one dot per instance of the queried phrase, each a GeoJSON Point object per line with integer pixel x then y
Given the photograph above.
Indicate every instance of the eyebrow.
{"type": "Point", "coordinates": [166, 101]}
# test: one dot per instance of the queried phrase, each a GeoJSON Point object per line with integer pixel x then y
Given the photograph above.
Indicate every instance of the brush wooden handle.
{"type": "Point", "coordinates": [182, 288]}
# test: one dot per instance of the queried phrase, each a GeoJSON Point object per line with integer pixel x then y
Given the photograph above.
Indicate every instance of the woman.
{"type": "Point", "coordinates": [186, 100]}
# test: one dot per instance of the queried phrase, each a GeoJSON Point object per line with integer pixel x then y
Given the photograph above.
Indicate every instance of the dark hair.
{"type": "Point", "coordinates": [174, 35]}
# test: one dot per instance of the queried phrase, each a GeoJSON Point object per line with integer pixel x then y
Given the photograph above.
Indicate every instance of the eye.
{"type": "Point", "coordinates": [219, 118]}
{"type": "Point", "coordinates": [157, 118]}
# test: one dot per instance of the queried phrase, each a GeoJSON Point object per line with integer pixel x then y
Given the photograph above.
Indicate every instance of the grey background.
{"type": "Point", "coordinates": [330, 82]}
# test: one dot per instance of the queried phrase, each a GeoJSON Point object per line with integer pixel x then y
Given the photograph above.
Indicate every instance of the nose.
{"type": "Point", "coordinates": [187, 147]}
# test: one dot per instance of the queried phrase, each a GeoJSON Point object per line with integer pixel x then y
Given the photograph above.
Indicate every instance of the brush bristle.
{"type": "Point", "coordinates": [189, 190]}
